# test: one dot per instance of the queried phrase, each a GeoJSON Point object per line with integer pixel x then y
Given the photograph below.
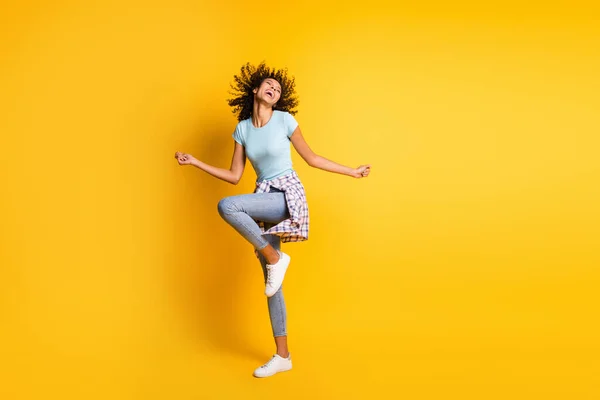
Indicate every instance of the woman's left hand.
{"type": "Point", "coordinates": [362, 171]}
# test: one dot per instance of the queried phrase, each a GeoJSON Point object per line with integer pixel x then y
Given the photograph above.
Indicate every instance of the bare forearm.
{"type": "Point", "coordinates": [331, 166]}
{"type": "Point", "coordinates": [220, 173]}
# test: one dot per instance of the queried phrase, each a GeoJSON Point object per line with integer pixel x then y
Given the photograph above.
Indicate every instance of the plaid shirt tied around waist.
{"type": "Point", "coordinates": [295, 228]}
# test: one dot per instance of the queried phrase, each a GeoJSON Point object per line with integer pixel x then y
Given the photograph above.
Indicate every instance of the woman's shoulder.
{"type": "Point", "coordinates": [243, 124]}
{"type": "Point", "coordinates": [280, 113]}
{"type": "Point", "coordinates": [284, 117]}
{"type": "Point", "coordinates": [240, 131]}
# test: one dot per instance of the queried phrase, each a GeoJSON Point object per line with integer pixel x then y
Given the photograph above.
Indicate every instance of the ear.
{"type": "Point", "coordinates": [255, 90]}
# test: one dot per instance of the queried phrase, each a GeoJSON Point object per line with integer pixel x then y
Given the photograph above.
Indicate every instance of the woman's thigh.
{"type": "Point", "coordinates": [268, 207]}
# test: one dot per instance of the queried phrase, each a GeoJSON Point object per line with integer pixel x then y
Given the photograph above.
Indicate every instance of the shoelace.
{"type": "Point", "coordinates": [268, 364]}
{"type": "Point", "coordinates": [269, 276]}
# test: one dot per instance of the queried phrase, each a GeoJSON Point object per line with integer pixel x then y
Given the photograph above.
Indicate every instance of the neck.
{"type": "Point", "coordinates": [261, 114]}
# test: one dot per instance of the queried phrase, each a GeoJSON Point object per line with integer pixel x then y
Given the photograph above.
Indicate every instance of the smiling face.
{"type": "Point", "coordinates": [268, 92]}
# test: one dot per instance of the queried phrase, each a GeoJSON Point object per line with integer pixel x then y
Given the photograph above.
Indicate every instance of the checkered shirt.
{"type": "Point", "coordinates": [295, 228]}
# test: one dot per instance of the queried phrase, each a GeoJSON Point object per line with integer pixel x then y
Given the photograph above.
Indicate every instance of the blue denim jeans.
{"type": "Point", "coordinates": [241, 212]}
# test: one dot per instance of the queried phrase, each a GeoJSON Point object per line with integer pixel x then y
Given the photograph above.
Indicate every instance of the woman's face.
{"type": "Point", "coordinates": [269, 92]}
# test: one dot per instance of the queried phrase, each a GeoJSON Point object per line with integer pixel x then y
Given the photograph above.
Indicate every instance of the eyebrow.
{"type": "Point", "coordinates": [269, 79]}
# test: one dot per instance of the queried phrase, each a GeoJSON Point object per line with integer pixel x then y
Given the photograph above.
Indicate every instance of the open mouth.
{"type": "Point", "coordinates": [270, 93]}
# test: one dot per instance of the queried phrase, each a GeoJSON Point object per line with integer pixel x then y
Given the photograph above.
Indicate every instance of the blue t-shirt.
{"type": "Point", "coordinates": [268, 147]}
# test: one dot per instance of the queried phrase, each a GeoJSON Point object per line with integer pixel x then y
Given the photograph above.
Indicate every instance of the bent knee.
{"type": "Point", "coordinates": [226, 206]}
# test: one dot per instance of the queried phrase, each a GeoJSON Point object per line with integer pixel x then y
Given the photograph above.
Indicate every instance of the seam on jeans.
{"type": "Point", "coordinates": [283, 317]}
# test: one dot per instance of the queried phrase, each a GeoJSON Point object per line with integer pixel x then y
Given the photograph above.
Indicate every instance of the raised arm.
{"type": "Point", "coordinates": [231, 175]}
{"type": "Point", "coordinates": [316, 161]}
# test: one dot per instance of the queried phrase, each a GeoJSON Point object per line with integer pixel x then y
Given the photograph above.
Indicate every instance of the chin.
{"type": "Point", "coordinates": [269, 102]}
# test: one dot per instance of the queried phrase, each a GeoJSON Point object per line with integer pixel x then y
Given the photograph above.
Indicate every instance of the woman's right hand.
{"type": "Point", "coordinates": [184, 159]}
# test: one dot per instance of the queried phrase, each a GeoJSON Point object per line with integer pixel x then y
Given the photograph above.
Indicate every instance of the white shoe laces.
{"type": "Point", "coordinates": [270, 274]}
{"type": "Point", "coordinates": [268, 364]}
{"type": "Point", "coordinates": [270, 269]}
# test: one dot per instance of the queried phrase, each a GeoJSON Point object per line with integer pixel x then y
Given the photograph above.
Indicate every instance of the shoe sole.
{"type": "Point", "coordinates": [274, 373]}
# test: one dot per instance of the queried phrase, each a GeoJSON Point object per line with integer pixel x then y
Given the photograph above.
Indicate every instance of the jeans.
{"type": "Point", "coordinates": [240, 212]}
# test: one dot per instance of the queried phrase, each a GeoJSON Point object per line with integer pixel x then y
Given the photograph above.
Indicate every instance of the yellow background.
{"type": "Point", "coordinates": [465, 267]}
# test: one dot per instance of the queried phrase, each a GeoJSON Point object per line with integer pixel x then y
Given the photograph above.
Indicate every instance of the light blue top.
{"type": "Point", "coordinates": [268, 147]}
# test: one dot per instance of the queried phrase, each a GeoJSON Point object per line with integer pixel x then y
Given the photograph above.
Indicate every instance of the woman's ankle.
{"type": "Point", "coordinates": [283, 354]}
{"type": "Point", "coordinates": [271, 255]}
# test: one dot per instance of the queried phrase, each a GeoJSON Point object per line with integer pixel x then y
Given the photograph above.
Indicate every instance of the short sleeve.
{"type": "Point", "coordinates": [290, 124]}
{"type": "Point", "coordinates": [238, 135]}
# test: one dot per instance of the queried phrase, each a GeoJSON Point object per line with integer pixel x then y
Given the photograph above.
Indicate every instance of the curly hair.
{"type": "Point", "coordinates": [251, 77]}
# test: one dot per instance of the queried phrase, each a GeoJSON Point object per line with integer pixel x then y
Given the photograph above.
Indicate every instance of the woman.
{"type": "Point", "coordinates": [265, 101]}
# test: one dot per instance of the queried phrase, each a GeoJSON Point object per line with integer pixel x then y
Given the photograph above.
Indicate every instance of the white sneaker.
{"type": "Point", "coordinates": [275, 365]}
{"type": "Point", "coordinates": [275, 274]}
